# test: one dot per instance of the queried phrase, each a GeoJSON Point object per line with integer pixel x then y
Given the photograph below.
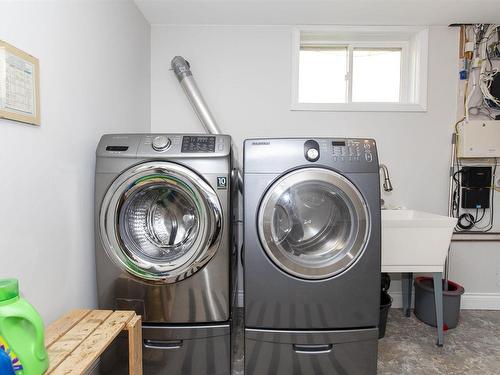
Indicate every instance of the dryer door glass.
{"type": "Point", "coordinates": [160, 221]}
{"type": "Point", "coordinates": [313, 223]}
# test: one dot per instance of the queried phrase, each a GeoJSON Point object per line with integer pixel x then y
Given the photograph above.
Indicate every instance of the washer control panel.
{"type": "Point", "coordinates": [198, 144]}
{"type": "Point", "coordinates": [164, 145]}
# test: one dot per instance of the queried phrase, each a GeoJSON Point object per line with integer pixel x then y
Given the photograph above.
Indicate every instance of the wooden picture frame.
{"type": "Point", "coordinates": [18, 66]}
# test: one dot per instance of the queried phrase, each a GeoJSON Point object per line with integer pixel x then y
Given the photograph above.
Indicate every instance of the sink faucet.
{"type": "Point", "coordinates": [387, 180]}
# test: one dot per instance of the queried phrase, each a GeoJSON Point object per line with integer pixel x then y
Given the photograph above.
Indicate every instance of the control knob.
{"type": "Point", "coordinates": [161, 143]}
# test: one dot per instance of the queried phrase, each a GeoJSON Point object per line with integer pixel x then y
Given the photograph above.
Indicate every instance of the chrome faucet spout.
{"type": "Point", "coordinates": [387, 180]}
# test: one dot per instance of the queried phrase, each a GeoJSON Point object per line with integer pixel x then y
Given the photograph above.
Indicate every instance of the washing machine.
{"type": "Point", "coordinates": [164, 246]}
{"type": "Point", "coordinates": [311, 256]}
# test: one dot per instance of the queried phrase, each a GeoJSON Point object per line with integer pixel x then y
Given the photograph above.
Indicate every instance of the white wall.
{"type": "Point", "coordinates": [245, 75]}
{"type": "Point", "coordinates": [95, 65]}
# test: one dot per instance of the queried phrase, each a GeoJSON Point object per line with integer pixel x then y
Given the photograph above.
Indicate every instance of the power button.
{"type": "Point", "coordinates": [312, 154]}
{"type": "Point", "coordinates": [311, 150]}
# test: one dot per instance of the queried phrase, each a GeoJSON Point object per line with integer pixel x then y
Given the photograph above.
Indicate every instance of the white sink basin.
{"type": "Point", "coordinates": [415, 241]}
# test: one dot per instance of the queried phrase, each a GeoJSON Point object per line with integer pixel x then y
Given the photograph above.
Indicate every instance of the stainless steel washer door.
{"type": "Point", "coordinates": [160, 221]}
{"type": "Point", "coordinates": [313, 223]}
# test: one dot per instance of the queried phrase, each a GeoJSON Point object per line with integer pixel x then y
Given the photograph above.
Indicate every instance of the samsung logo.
{"type": "Point", "coordinates": [261, 143]}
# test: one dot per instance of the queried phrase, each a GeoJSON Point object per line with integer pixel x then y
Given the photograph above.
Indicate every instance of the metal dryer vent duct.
{"type": "Point", "coordinates": [182, 70]}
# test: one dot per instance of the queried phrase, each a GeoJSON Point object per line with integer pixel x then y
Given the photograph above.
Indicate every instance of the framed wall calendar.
{"type": "Point", "coordinates": [19, 85]}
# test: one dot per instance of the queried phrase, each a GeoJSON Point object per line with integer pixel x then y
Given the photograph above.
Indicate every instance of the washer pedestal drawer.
{"type": "Point", "coordinates": [281, 352]}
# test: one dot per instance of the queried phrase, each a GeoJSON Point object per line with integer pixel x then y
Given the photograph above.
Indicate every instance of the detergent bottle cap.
{"type": "Point", "coordinates": [9, 288]}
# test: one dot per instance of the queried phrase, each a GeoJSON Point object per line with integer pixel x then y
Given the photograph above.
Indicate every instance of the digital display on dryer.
{"type": "Point", "coordinates": [198, 144]}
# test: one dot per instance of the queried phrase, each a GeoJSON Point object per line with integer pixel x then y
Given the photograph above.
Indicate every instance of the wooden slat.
{"type": "Point", "coordinates": [62, 325]}
{"type": "Point", "coordinates": [134, 328]}
{"type": "Point", "coordinates": [62, 348]}
{"type": "Point", "coordinates": [94, 345]}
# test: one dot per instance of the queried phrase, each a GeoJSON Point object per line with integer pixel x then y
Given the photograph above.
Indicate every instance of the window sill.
{"type": "Point", "coordinates": [359, 107]}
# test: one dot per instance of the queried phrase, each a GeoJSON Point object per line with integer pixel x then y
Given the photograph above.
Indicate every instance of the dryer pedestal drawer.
{"type": "Point", "coordinates": [346, 352]}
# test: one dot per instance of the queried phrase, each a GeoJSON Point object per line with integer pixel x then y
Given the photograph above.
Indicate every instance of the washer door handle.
{"type": "Point", "coordinates": [312, 349]}
{"type": "Point", "coordinates": [163, 344]}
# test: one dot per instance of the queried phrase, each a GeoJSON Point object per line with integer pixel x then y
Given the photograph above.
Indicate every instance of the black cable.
{"type": "Point", "coordinates": [482, 216]}
{"type": "Point", "coordinates": [456, 201]}
{"type": "Point", "coordinates": [469, 221]}
{"type": "Point", "coordinates": [492, 205]}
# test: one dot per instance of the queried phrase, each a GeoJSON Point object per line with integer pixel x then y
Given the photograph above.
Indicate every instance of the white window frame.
{"type": "Point", "coordinates": [414, 60]}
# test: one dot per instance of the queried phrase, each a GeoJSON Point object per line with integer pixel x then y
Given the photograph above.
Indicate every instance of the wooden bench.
{"type": "Point", "coordinates": [75, 341]}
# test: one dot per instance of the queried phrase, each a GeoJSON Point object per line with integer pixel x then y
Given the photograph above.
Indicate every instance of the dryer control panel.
{"type": "Point", "coordinates": [270, 155]}
{"type": "Point", "coordinates": [352, 150]}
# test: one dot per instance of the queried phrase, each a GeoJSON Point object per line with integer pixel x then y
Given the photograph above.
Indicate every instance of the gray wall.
{"type": "Point", "coordinates": [95, 64]}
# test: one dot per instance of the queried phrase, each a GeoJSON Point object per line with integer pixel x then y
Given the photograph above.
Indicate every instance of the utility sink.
{"type": "Point", "coordinates": [415, 241]}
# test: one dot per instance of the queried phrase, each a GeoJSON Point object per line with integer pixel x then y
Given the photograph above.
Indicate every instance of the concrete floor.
{"type": "Point", "coordinates": [409, 346]}
{"type": "Point", "coordinates": [471, 348]}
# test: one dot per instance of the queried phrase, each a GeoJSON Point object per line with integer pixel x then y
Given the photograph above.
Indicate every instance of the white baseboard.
{"type": "Point", "coordinates": [470, 301]}
{"type": "Point", "coordinates": [480, 301]}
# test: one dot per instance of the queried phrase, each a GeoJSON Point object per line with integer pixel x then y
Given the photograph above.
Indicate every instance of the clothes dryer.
{"type": "Point", "coordinates": [311, 256]}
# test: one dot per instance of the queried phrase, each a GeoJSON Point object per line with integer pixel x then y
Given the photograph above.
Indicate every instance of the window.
{"type": "Point", "coordinates": [376, 75]}
{"type": "Point", "coordinates": [360, 69]}
{"type": "Point", "coordinates": [322, 75]}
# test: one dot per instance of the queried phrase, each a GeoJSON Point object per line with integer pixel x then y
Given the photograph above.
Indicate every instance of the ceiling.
{"type": "Point", "coordinates": [296, 12]}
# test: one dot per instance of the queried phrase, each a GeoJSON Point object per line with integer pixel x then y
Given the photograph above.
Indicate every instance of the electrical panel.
{"type": "Point", "coordinates": [475, 198]}
{"type": "Point", "coordinates": [476, 187]}
{"type": "Point", "coordinates": [479, 139]}
{"type": "Point", "coordinates": [476, 177]}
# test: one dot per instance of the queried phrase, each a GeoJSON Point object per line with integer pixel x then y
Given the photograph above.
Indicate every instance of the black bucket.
{"type": "Point", "coordinates": [425, 305]}
{"type": "Point", "coordinates": [385, 305]}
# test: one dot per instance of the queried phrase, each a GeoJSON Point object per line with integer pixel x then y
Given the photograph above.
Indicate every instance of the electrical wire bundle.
{"type": "Point", "coordinates": [481, 47]}
{"type": "Point", "coordinates": [488, 72]}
